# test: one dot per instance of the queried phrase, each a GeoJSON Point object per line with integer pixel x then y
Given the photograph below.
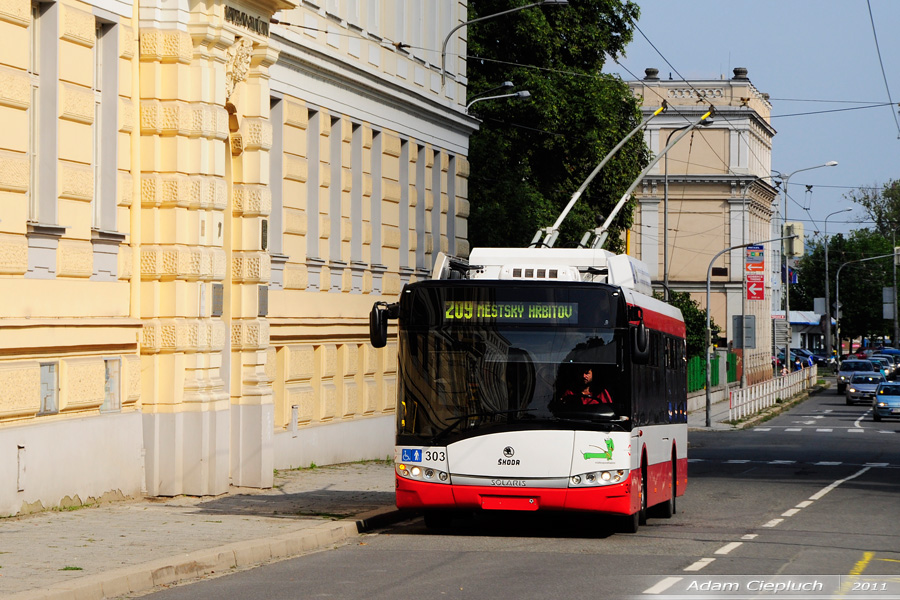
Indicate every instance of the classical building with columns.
{"type": "Point", "coordinates": [198, 207]}
{"type": "Point", "coordinates": [711, 191]}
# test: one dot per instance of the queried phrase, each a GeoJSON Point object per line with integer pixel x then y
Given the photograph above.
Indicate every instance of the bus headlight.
{"type": "Point", "coordinates": [598, 478]}
{"type": "Point", "coordinates": [418, 473]}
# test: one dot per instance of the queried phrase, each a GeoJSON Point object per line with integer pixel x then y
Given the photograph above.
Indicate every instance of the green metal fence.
{"type": "Point", "coordinates": [696, 371]}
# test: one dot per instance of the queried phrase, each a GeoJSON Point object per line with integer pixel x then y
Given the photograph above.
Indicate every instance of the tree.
{"type": "Point", "coordinates": [861, 283]}
{"type": "Point", "coordinates": [882, 205]}
{"type": "Point", "coordinates": [694, 321]}
{"type": "Point", "coordinates": [529, 157]}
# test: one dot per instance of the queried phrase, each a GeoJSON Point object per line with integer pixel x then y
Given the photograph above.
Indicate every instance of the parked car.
{"type": "Point", "coordinates": [848, 367]}
{"type": "Point", "coordinates": [804, 354]}
{"type": "Point", "coordinates": [862, 386]}
{"type": "Point", "coordinates": [886, 403]}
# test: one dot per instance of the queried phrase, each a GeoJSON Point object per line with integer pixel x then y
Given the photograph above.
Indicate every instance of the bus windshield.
{"type": "Point", "coordinates": [507, 355]}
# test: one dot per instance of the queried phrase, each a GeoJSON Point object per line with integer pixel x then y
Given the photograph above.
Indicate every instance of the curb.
{"type": "Point", "coordinates": [201, 563]}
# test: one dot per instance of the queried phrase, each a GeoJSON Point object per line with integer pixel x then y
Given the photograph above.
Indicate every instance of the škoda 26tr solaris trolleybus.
{"type": "Point", "coordinates": [538, 379]}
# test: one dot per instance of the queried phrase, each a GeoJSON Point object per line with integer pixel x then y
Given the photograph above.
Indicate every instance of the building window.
{"type": "Point", "coordinates": [112, 398]}
{"type": "Point", "coordinates": [49, 388]}
{"type": "Point", "coordinates": [105, 88]}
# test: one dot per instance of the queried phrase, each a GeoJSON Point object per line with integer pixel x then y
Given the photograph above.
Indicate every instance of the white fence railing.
{"type": "Point", "coordinates": [754, 398]}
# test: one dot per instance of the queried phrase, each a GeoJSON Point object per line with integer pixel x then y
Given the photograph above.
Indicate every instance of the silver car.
{"type": "Point", "coordinates": [862, 386]}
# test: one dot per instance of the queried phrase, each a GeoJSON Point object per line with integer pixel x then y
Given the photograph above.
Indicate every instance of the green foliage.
{"type": "Point", "coordinates": [881, 205]}
{"type": "Point", "coordinates": [694, 321]}
{"type": "Point", "coordinates": [529, 157]}
{"type": "Point", "coordinates": [860, 283]}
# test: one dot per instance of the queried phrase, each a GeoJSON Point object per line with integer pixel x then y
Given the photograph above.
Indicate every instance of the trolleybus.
{"type": "Point", "coordinates": [538, 379]}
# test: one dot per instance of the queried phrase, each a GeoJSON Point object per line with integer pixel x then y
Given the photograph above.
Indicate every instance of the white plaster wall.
{"type": "Point", "coordinates": [87, 457]}
{"type": "Point", "coordinates": [362, 439]}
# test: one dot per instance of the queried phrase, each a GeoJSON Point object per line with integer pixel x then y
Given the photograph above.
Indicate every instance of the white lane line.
{"type": "Point", "coordinates": [773, 523]}
{"type": "Point", "coordinates": [860, 430]}
{"type": "Point", "coordinates": [885, 431]}
{"type": "Point", "coordinates": [856, 422]}
{"type": "Point", "coordinates": [793, 429]}
{"type": "Point", "coordinates": [834, 484]}
{"type": "Point", "coordinates": [824, 430]}
{"type": "Point", "coordinates": [750, 536]}
{"type": "Point", "coordinates": [737, 462]}
{"type": "Point", "coordinates": [762, 429]}
{"type": "Point", "coordinates": [782, 462]}
{"type": "Point", "coordinates": [790, 513]}
{"type": "Point", "coordinates": [804, 504]}
{"type": "Point", "coordinates": [699, 564]}
{"type": "Point", "coordinates": [876, 464]}
{"type": "Point", "coordinates": [663, 585]}
{"type": "Point", "coordinates": [827, 463]}
{"type": "Point", "coordinates": [727, 548]}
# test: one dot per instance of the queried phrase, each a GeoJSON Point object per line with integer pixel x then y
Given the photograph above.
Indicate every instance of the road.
{"type": "Point", "coordinates": [809, 498]}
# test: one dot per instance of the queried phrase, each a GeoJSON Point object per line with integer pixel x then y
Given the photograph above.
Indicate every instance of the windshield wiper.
{"type": "Point", "coordinates": [443, 432]}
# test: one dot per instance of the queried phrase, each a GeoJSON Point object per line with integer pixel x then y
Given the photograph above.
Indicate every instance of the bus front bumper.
{"type": "Point", "coordinates": [618, 499]}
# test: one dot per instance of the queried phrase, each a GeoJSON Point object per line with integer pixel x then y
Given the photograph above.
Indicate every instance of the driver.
{"type": "Point", "coordinates": [585, 392]}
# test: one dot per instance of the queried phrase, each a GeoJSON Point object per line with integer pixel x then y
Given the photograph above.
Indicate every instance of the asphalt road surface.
{"type": "Point", "coordinates": [805, 505]}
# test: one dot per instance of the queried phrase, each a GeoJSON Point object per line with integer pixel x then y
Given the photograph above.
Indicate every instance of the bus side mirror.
{"type": "Point", "coordinates": [378, 322]}
{"type": "Point", "coordinates": [640, 344]}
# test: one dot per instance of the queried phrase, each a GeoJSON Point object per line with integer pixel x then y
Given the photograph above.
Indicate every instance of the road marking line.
{"type": "Point", "coordinates": [736, 462]}
{"type": "Point", "coordinates": [773, 522]}
{"type": "Point", "coordinates": [727, 548]}
{"type": "Point", "coordinates": [790, 513]}
{"type": "Point", "coordinates": [827, 463]}
{"type": "Point", "coordinates": [834, 484]}
{"type": "Point", "coordinates": [885, 431]}
{"type": "Point", "coordinates": [750, 536]}
{"type": "Point", "coordinates": [782, 462]}
{"type": "Point", "coordinates": [876, 464]}
{"type": "Point", "coordinates": [855, 572]}
{"type": "Point", "coordinates": [825, 430]}
{"type": "Point", "coordinates": [762, 429]}
{"type": "Point", "coordinates": [804, 504]}
{"type": "Point", "coordinates": [699, 564]}
{"type": "Point", "coordinates": [856, 431]}
{"type": "Point", "coordinates": [793, 429]}
{"type": "Point", "coordinates": [663, 585]}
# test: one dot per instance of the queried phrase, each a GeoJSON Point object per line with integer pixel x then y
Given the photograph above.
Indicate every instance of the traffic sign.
{"type": "Point", "coordinates": [756, 287]}
{"type": "Point", "coordinates": [756, 267]}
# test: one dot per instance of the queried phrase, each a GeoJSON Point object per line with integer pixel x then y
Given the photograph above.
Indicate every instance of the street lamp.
{"type": "Point", "coordinates": [518, 95]}
{"type": "Point", "coordinates": [503, 86]}
{"type": "Point", "coordinates": [787, 270]}
{"type": "Point", "coordinates": [828, 348]}
{"type": "Point", "coordinates": [505, 12]}
{"type": "Point", "coordinates": [703, 123]}
{"type": "Point", "coordinates": [708, 332]}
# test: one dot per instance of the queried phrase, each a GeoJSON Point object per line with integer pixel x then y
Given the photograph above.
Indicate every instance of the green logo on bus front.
{"type": "Point", "coordinates": [607, 454]}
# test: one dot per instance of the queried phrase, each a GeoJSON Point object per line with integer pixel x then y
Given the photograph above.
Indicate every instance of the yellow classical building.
{"type": "Point", "coordinates": [198, 207]}
{"type": "Point", "coordinates": [712, 191]}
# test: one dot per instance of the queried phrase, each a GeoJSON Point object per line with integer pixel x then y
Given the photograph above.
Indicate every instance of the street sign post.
{"type": "Point", "coordinates": [756, 286]}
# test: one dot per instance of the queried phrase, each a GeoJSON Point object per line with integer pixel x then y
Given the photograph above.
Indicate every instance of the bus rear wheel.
{"type": "Point", "coordinates": [642, 514]}
{"type": "Point", "coordinates": [665, 510]}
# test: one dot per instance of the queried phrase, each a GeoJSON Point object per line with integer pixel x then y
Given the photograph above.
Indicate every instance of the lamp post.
{"type": "Point", "coordinates": [828, 348]}
{"type": "Point", "coordinates": [505, 12]}
{"type": "Point", "coordinates": [787, 269]}
{"type": "Point", "coordinates": [518, 95]}
{"type": "Point", "coordinates": [837, 292]}
{"type": "Point", "coordinates": [708, 333]}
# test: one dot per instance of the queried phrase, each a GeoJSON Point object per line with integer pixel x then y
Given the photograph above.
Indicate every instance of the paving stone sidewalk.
{"type": "Point", "coordinates": [115, 549]}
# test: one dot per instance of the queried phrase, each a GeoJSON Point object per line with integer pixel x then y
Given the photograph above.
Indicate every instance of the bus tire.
{"type": "Point", "coordinates": [665, 510]}
{"type": "Point", "coordinates": [629, 523]}
{"type": "Point", "coordinates": [642, 513]}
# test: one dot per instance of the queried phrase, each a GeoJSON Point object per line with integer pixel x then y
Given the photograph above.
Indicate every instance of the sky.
{"type": "Point", "coordinates": [809, 56]}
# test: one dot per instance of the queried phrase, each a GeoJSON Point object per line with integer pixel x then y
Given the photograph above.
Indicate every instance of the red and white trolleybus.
{"type": "Point", "coordinates": [538, 379]}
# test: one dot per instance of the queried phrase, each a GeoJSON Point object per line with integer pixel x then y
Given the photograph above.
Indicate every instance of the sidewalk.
{"type": "Point", "coordinates": [116, 549]}
{"type": "Point", "coordinates": [112, 550]}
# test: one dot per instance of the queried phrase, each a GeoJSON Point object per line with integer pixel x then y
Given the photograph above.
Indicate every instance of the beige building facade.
{"type": "Point", "coordinates": [198, 207]}
{"type": "Point", "coordinates": [719, 196]}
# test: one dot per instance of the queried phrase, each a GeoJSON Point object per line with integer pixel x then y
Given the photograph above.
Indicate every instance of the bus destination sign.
{"type": "Point", "coordinates": [469, 311]}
